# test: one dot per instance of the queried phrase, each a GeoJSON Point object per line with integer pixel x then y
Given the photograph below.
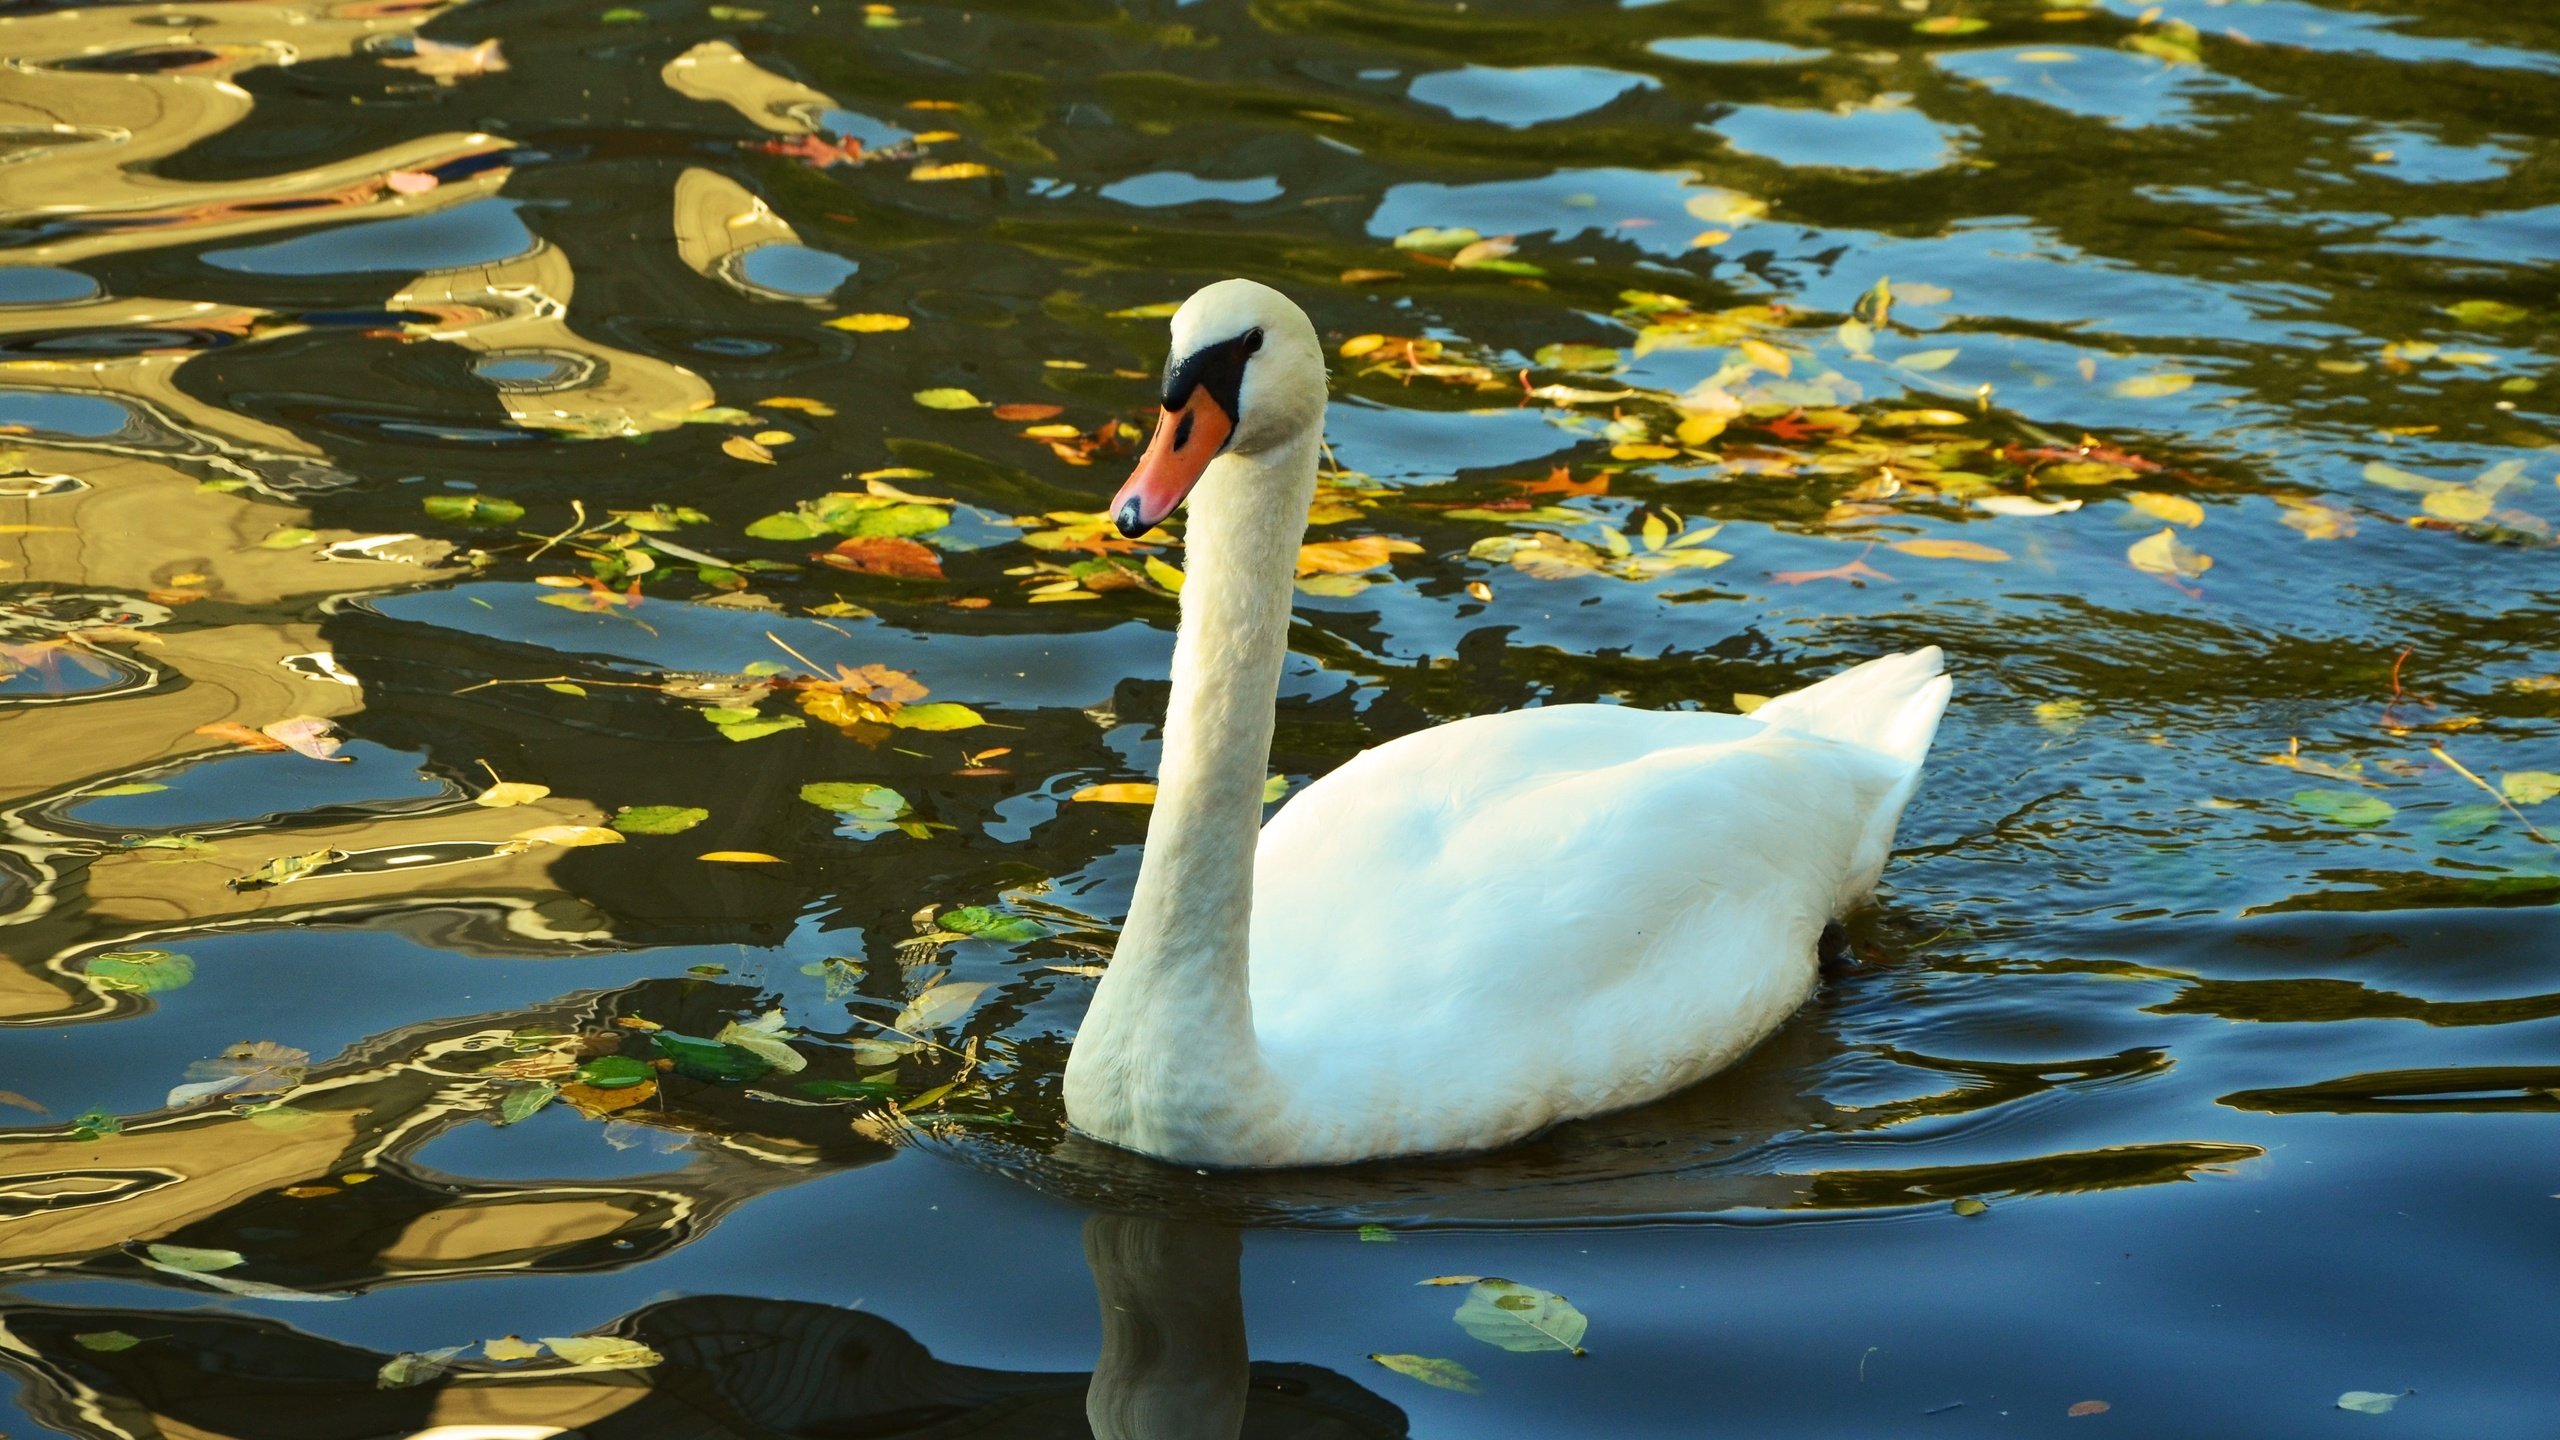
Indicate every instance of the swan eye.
{"type": "Point", "coordinates": [1217, 368]}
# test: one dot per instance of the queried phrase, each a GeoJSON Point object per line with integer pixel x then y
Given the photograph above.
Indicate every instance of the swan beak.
{"type": "Point", "coordinates": [1186, 440]}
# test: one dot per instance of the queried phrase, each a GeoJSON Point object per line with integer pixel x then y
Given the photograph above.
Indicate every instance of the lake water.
{"type": "Point", "coordinates": [662, 442]}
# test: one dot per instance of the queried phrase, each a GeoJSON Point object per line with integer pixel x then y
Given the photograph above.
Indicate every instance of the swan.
{"type": "Point", "coordinates": [1475, 931]}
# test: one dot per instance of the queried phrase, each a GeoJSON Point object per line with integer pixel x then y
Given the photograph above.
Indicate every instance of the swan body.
{"type": "Point", "coordinates": [1475, 931]}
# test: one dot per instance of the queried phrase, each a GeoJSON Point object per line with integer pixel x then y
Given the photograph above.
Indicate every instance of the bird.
{"type": "Point", "coordinates": [1473, 932]}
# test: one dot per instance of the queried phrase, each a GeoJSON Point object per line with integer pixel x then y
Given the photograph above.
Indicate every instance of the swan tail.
{"type": "Point", "coordinates": [1890, 706]}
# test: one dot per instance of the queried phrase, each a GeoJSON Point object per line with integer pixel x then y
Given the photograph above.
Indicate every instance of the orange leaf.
{"type": "Point", "coordinates": [593, 1101]}
{"type": "Point", "coordinates": [1133, 792]}
{"type": "Point", "coordinates": [239, 734]}
{"type": "Point", "coordinates": [1349, 557]}
{"type": "Point", "coordinates": [2089, 1407]}
{"type": "Point", "coordinates": [1027, 412]}
{"type": "Point", "coordinates": [894, 556]}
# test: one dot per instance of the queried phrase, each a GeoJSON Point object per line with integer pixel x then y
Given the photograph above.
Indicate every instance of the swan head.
{"type": "Point", "coordinates": [1245, 375]}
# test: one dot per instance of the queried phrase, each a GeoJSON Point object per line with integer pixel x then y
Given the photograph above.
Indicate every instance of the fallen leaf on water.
{"type": "Point", "coordinates": [1949, 550]}
{"type": "Point", "coordinates": [308, 735]}
{"type": "Point", "coordinates": [1950, 25]}
{"type": "Point", "coordinates": [285, 869]}
{"type": "Point", "coordinates": [572, 836]}
{"type": "Point", "coordinates": [739, 447]}
{"type": "Point", "coordinates": [1446, 1374]}
{"type": "Point", "coordinates": [939, 715]}
{"type": "Point", "coordinates": [1348, 557]}
{"type": "Point", "coordinates": [1511, 1316]}
{"type": "Point", "coordinates": [2486, 312]}
{"type": "Point", "coordinates": [939, 1005]}
{"type": "Point", "coordinates": [140, 972]}
{"type": "Point", "coordinates": [2176, 509]}
{"type": "Point", "coordinates": [2023, 505]}
{"type": "Point", "coordinates": [521, 1101]}
{"type": "Point", "coordinates": [1450, 1280]}
{"type": "Point", "coordinates": [106, 1342]}
{"type": "Point", "coordinates": [445, 64]}
{"type": "Point", "coordinates": [2458, 503]}
{"type": "Point", "coordinates": [2368, 1402]}
{"type": "Point", "coordinates": [239, 734]}
{"type": "Point", "coordinates": [658, 819]}
{"type": "Point", "coordinates": [1856, 572]}
{"type": "Point", "coordinates": [597, 1101]}
{"type": "Point", "coordinates": [956, 170]}
{"type": "Point", "coordinates": [739, 857]}
{"type": "Point", "coordinates": [415, 1367]}
{"type": "Point", "coordinates": [2088, 1407]}
{"type": "Point", "coordinates": [1970, 1207]}
{"type": "Point", "coordinates": [870, 324]}
{"type": "Point", "coordinates": [1126, 792]}
{"type": "Point", "coordinates": [195, 1261]}
{"type": "Point", "coordinates": [2166, 554]}
{"type": "Point", "coordinates": [511, 1347]}
{"type": "Point", "coordinates": [1926, 360]}
{"type": "Point", "coordinates": [2152, 387]}
{"type": "Point", "coordinates": [2529, 787]}
{"type": "Point", "coordinates": [1027, 412]}
{"type": "Point", "coordinates": [2345, 807]}
{"type": "Point", "coordinates": [948, 397]}
{"type": "Point", "coordinates": [2316, 521]}
{"type": "Point", "coordinates": [510, 792]}
{"type": "Point", "coordinates": [891, 556]}
{"type": "Point", "coordinates": [603, 1352]}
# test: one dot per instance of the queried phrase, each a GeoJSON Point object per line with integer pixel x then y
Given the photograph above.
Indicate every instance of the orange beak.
{"type": "Point", "coordinates": [1186, 440]}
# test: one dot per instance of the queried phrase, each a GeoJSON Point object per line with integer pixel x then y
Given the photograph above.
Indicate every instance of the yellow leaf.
{"type": "Point", "coordinates": [1643, 452]}
{"type": "Point", "coordinates": [1699, 429]}
{"type": "Point", "coordinates": [869, 324]}
{"type": "Point", "coordinates": [1359, 345]}
{"type": "Point", "coordinates": [1347, 557]}
{"type": "Point", "coordinates": [2529, 787]}
{"type": "Point", "coordinates": [1949, 550]}
{"type": "Point", "coordinates": [1052, 432]}
{"type": "Point", "coordinates": [572, 835]}
{"type": "Point", "coordinates": [1767, 357]}
{"type": "Point", "coordinates": [739, 857]}
{"type": "Point", "coordinates": [2456, 502]}
{"type": "Point", "coordinates": [1726, 207]}
{"type": "Point", "coordinates": [2164, 554]}
{"type": "Point", "coordinates": [819, 408]}
{"type": "Point", "coordinates": [741, 448]}
{"type": "Point", "coordinates": [1164, 574]}
{"type": "Point", "coordinates": [957, 170]}
{"type": "Point", "coordinates": [948, 398]}
{"type": "Point", "coordinates": [774, 437]}
{"type": "Point", "coordinates": [1744, 702]}
{"type": "Point", "coordinates": [2176, 509]}
{"type": "Point", "coordinates": [1127, 792]}
{"type": "Point", "coordinates": [2152, 387]}
{"type": "Point", "coordinates": [510, 792]}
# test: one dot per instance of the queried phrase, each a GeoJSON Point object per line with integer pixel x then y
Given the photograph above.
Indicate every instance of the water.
{"type": "Point", "coordinates": [2217, 961]}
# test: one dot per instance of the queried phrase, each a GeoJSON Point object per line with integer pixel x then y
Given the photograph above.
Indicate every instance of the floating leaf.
{"type": "Point", "coordinates": [1512, 1316]}
{"type": "Point", "coordinates": [308, 735]}
{"type": "Point", "coordinates": [1347, 557]}
{"type": "Point", "coordinates": [292, 537]}
{"type": "Point", "coordinates": [2087, 1407]}
{"type": "Point", "coordinates": [2524, 787]}
{"type": "Point", "coordinates": [1969, 1207]}
{"type": "Point", "coordinates": [1025, 413]}
{"type": "Point", "coordinates": [2458, 503]}
{"type": "Point", "coordinates": [1446, 1374]}
{"type": "Point", "coordinates": [2345, 807]}
{"type": "Point", "coordinates": [938, 1006]}
{"type": "Point", "coordinates": [252, 1067]}
{"type": "Point", "coordinates": [1951, 25]}
{"type": "Point", "coordinates": [522, 1101]}
{"type": "Point", "coordinates": [2153, 387]}
{"type": "Point", "coordinates": [892, 557]}
{"type": "Point", "coordinates": [716, 1060]}
{"type": "Point", "coordinates": [1925, 360]}
{"type": "Point", "coordinates": [510, 792]}
{"type": "Point", "coordinates": [137, 787]}
{"type": "Point", "coordinates": [1586, 358]}
{"type": "Point", "coordinates": [614, 1072]}
{"type": "Point", "coordinates": [859, 800]}
{"type": "Point", "coordinates": [2368, 1402]}
{"type": "Point", "coordinates": [415, 1367]}
{"type": "Point", "coordinates": [595, 1101]}
{"type": "Point", "coordinates": [572, 836]}
{"type": "Point", "coordinates": [658, 819]}
{"type": "Point", "coordinates": [106, 1342]}
{"type": "Point", "coordinates": [2392, 477]}
{"type": "Point", "coordinates": [956, 170]}
{"type": "Point", "coordinates": [739, 447]}
{"type": "Point", "coordinates": [2487, 312]}
{"type": "Point", "coordinates": [141, 972]}
{"type": "Point", "coordinates": [939, 715]}
{"type": "Point", "coordinates": [740, 857]}
{"type": "Point", "coordinates": [190, 1260]}
{"type": "Point", "coordinates": [1950, 550]}
{"type": "Point", "coordinates": [2176, 509]}
{"type": "Point", "coordinates": [603, 1352]}
{"type": "Point", "coordinates": [1433, 238]}
{"type": "Point", "coordinates": [1125, 792]}
{"type": "Point", "coordinates": [473, 509]}
{"type": "Point", "coordinates": [991, 924]}
{"type": "Point", "coordinates": [511, 1347]}
{"type": "Point", "coordinates": [2166, 554]}
{"type": "Point", "coordinates": [871, 324]}
{"type": "Point", "coordinates": [948, 397]}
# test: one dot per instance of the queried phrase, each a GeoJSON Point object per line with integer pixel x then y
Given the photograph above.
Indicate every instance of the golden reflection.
{"type": "Point", "coordinates": [716, 72]}
{"type": "Point", "coordinates": [519, 309]}
{"type": "Point", "coordinates": [154, 80]}
{"type": "Point", "coordinates": [718, 221]}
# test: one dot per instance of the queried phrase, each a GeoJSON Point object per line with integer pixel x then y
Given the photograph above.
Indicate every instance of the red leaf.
{"type": "Point", "coordinates": [2089, 1407]}
{"type": "Point", "coordinates": [1028, 412]}
{"type": "Point", "coordinates": [1560, 481]}
{"type": "Point", "coordinates": [894, 556]}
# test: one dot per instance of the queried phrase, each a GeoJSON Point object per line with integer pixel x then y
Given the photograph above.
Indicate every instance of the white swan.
{"type": "Point", "coordinates": [1472, 932]}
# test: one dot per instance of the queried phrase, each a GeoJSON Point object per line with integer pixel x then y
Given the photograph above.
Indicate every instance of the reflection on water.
{"type": "Point", "coordinates": [552, 631]}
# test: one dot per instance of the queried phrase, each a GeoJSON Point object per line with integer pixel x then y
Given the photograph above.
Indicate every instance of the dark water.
{"type": "Point", "coordinates": [2219, 961]}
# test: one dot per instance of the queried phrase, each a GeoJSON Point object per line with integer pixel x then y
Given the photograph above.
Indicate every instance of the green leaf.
{"type": "Point", "coordinates": [856, 799]}
{"type": "Point", "coordinates": [848, 1089]}
{"type": "Point", "coordinates": [624, 15]}
{"type": "Point", "coordinates": [138, 787]}
{"type": "Point", "coordinates": [1951, 25]}
{"type": "Point", "coordinates": [938, 715]}
{"type": "Point", "coordinates": [415, 1367]}
{"type": "Point", "coordinates": [565, 688]}
{"type": "Point", "coordinates": [872, 515]}
{"type": "Point", "coordinates": [2392, 477]}
{"type": "Point", "coordinates": [1587, 358]}
{"type": "Point", "coordinates": [1969, 1207]}
{"type": "Point", "coordinates": [2368, 1402]}
{"type": "Point", "coordinates": [991, 924]}
{"type": "Point", "coordinates": [1432, 237]}
{"type": "Point", "coordinates": [1273, 788]}
{"type": "Point", "coordinates": [292, 537]}
{"type": "Point", "coordinates": [1928, 359]}
{"type": "Point", "coordinates": [89, 1125]}
{"type": "Point", "coordinates": [1446, 1374]}
{"type": "Point", "coordinates": [194, 1261]}
{"type": "Point", "coordinates": [473, 509]}
{"type": "Point", "coordinates": [2345, 807]}
{"type": "Point", "coordinates": [1377, 1235]}
{"type": "Point", "coordinates": [2153, 387]}
{"type": "Point", "coordinates": [106, 1342]}
{"type": "Point", "coordinates": [783, 525]}
{"type": "Point", "coordinates": [2469, 819]}
{"type": "Point", "coordinates": [2486, 312]}
{"type": "Point", "coordinates": [522, 1101]}
{"type": "Point", "coordinates": [948, 397]}
{"type": "Point", "coordinates": [142, 972]}
{"type": "Point", "coordinates": [2524, 787]}
{"type": "Point", "coordinates": [759, 726]}
{"type": "Point", "coordinates": [658, 819]}
{"type": "Point", "coordinates": [615, 1072]}
{"type": "Point", "coordinates": [709, 1059]}
{"type": "Point", "coordinates": [1511, 1316]}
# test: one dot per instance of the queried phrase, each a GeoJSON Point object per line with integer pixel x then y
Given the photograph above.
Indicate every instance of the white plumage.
{"type": "Point", "coordinates": [1478, 930]}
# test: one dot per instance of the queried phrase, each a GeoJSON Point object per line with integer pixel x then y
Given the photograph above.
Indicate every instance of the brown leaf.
{"type": "Point", "coordinates": [2089, 1407]}
{"type": "Point", "coordinates": [1027, 412]}
{"type": "Point", "coordinates": [594, 1102]}
{"type": "Point", "coordinates": [895, 557]}
{"type": "Point", "coordinates": [239, 734]}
